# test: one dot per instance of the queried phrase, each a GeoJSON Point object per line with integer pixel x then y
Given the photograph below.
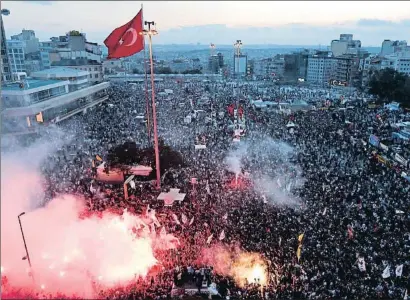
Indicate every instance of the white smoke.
{"type": "Point", "coordinates": [269, 162]}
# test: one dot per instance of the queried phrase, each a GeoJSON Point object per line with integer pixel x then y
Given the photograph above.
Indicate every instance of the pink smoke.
{"type": "Point", "coordinates": [68, 253]}
{"type": "Point", "coordinates": [232, 261]}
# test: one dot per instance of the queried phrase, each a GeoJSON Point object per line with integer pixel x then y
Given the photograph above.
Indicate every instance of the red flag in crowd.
{"type": "Point", "coordinates": [240, 111]}
{"type": "Point", "coordinates": [231, 109]}
{"type": "Point", "coordinates": [127, 39]}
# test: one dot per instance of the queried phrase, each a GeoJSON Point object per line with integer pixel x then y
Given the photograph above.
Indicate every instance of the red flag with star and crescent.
{"type": "Point", "coordinates": [127, 39]}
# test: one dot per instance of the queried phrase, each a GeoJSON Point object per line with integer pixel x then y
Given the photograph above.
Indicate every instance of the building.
{"type": "Point", "coordinates": [296, 65]}
{"type": "Point", "coordinates": [391, 47]}
{"type": "Point", "coordinates": [112, 66]}
{"type": "Point", "coordinates": [74, 45]}
{"type": "Point", "coordinates": [34, 103]}
{"type": "Point", "coordinates": [77, 79]}
{"type": "Point", "coordinates": [213, 64]}
{"type": "Point", "coordinates": [399, 61]}
{"type": "Point", "coordinates": [346, 69]}
{"type": "Point", "coordinates": [269, 68]}
{"type": "Point", "coordinates": [196, 64]}
{"type": "Point", "coordinates": [180, 65]}
{"type": "Point", "coordinates": [6, 71]}
{"type": "Point", "coordinates": [30, 40]}
{"type": "Point", "coordinates": [94, 69]}
{"type": "Point", "coordinates": [345, 45]}
{"type": "Point", "coordinates": [16, 54]}
{"type": "Point", "coordinates": [321, 67]}
{"type": "Point", "coordinates": [240, 64]}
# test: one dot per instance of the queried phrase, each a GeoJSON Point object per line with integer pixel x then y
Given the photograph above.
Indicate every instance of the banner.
{"type": "Point", "coordinates": [374, 140]}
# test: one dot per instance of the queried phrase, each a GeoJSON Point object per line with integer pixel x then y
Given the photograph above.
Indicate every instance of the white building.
{"type": "Point", "coordinates": [15, 49]}
{"type": "Point", "coordinates": [345, 45]}
{"type": "Point", "coordinates": [321, 68]}
{"type": "Point", "coordinates": [240, 64]}
{"type": "Point", "coordinates": [391, 47]}
{"type": "Point", "coordinates": [94, 68]}
{"type": "Point", "coordinates": [77, 79]}
{"type": "Point", "coordinates": [400, 61]}
{"type": "Point", "coordinates": [30, 40]}
{"type": "Point", "coordinates": [32, 103]}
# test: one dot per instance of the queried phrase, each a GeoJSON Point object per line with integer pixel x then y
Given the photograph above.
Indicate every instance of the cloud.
{"type": "Point", "coordinates": [374, 22]}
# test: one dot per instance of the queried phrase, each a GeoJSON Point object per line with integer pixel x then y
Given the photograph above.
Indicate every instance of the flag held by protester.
{"type": "Point", "coordinates": [222, 235]}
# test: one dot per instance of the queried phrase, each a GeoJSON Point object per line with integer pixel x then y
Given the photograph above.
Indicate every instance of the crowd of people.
{"type": "Point", "coordinates": [349, 221]}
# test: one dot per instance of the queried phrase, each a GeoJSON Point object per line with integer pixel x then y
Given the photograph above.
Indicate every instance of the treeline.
{"type": "Point", "coordinates": [389, 85]}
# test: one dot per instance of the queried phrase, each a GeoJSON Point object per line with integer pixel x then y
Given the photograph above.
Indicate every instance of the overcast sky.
{"type": "Point", "coordinates": [282, 23]}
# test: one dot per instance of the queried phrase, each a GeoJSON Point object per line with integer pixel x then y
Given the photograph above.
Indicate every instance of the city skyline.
{"type": "Point", "coordinates": [280, 23]}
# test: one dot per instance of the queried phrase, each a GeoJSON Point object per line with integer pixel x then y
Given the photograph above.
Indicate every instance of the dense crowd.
{"type": "Point", "coordinates": [348, 202]}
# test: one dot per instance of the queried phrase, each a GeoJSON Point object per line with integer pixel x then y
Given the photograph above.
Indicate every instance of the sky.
{"type": "Point", "coordinates": [219, 22]}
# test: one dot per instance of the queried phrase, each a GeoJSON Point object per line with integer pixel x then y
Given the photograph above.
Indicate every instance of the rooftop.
{"type": "Point", "coordinates": [75, 62]}
{"type": "Point", "coordinates": [59, 72]}
{"type": "Point", "coordinates": [29, 84]}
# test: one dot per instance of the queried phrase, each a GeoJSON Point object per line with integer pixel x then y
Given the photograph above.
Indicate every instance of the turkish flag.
{"type": "Point", "coordinates": [127, 39]}
{"type": "Point", "coordinates": [240, 111]}
{"type": "Point", "coordinates": [231, 109]}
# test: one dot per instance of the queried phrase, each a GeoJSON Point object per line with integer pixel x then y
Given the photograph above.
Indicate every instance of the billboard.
{"type": "Point", "coordinates": [240, 64]}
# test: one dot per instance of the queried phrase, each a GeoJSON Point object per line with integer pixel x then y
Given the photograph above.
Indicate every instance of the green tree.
{"type": "Point", "coordinates": [390, 85]}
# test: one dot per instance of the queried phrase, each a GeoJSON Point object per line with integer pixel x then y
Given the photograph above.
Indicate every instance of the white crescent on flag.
{"type": "Point", "coordinates": [134, 36]}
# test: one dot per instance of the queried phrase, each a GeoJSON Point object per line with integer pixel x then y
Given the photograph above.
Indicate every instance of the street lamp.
{"type": "Point", "coordinates": [150, 32]}
{"type": "Point", "coordinates": [25, 245]}
{"type": "Point", "coordinates": [237, 46]}
{"type": "Point", "coordinates": [5, 12]}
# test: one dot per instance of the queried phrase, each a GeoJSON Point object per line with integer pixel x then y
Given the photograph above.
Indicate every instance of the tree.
{"type": "Point", "coordinates": [163, 70]}
{"type": "Point", "coordinates": [128, 154]}
{"type": "Point", "coordinates": [390, 85]}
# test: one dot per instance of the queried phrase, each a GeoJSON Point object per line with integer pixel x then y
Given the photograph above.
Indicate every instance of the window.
{"type": "Point", "coordinates": [95, 69]}
{"type": "Point", "coordinates": [20, 50]}
{"type": "Point", "coordinates": [95, 75]}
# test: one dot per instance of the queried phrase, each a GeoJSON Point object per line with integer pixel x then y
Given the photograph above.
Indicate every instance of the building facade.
{"type": "Point", "coordinates": [94, 69]}
{"type": "Point", "coordinates": [6, 71]}
{"type": "Point", "coordinates": [321, 68]}
{"type": "Point", "coordinates": [345, 45]}
{"type": "Point", "coordinates": [391, 47]}
{"type": "Point", "coordinates": [16, 54]}
{"type": "Point", "coordinates": [77, 79]}
{"type": "Point", "coordinates": [37, 103]}
{"type": "Point", "coordinates": [296, 65]}
{"type": "Point", "coordinates": [29, 39]}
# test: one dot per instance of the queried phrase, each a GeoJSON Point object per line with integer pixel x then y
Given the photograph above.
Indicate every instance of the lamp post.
{"type": "Point", "coordinates": [25, 245]}
{"type": "Point", "coordinates": [237, 46]}
{"type": "Point", "coordinates": [150, 32]}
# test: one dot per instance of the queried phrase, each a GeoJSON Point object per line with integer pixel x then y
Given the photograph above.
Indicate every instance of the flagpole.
{"type": "Point", "coordinates": [150, 33]}
{"type": "Point", "coordinates": [146, 88]}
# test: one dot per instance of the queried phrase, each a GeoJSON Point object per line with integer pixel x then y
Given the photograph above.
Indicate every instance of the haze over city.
{"type": "Point", "coordinates": [192, 22]}
{"type": "Point", "coordinates": [205, 150]}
